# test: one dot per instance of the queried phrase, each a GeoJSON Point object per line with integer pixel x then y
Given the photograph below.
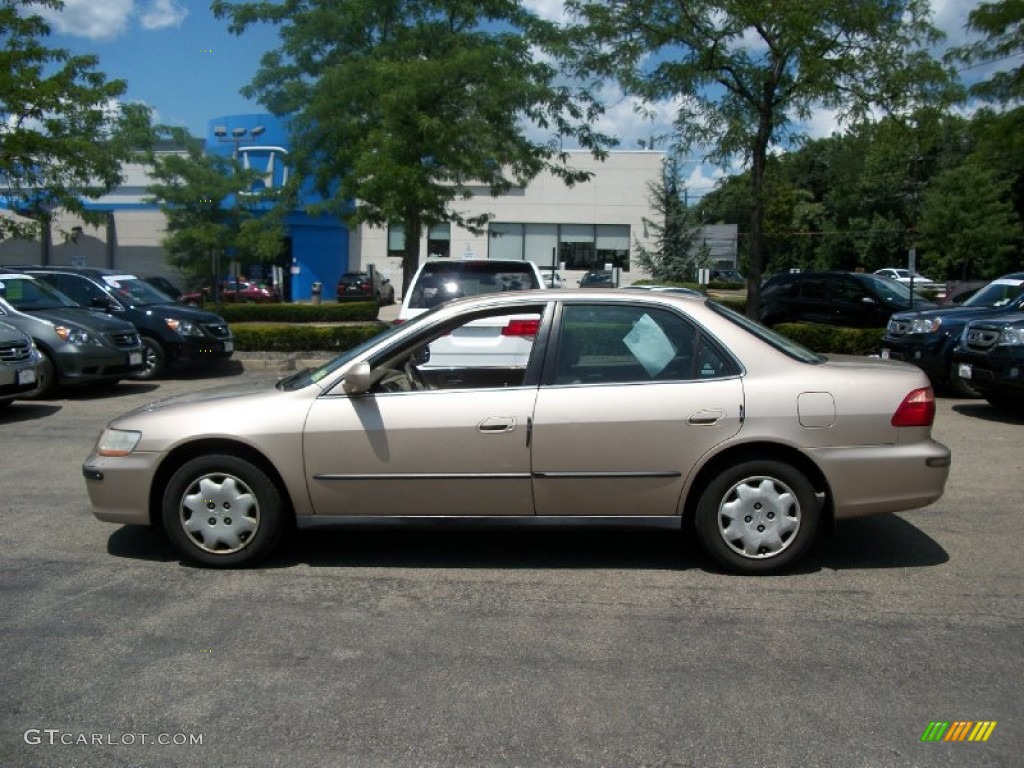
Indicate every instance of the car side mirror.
{"type": "Point", "coordinates": [102, 302]}
{"type": "Point", "coordinates": [867, 300]}
{"type": "Point", "coordinates": [357, 379]}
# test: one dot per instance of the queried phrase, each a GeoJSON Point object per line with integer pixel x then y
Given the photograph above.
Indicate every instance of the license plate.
{"type": "Point", "coordinates": [964, 371]}
{"type": "Point", "coordinates": [885, 354]}
{"type": "Point", "coordinates": [27, 377]}
{"type": "Point", "coordinates": [134, 358]}
{"type": "Point", "coordinates": [229, 346]}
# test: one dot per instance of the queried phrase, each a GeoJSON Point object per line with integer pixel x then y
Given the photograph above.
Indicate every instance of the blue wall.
{"type": "Point", "coordinates": [319, 243]}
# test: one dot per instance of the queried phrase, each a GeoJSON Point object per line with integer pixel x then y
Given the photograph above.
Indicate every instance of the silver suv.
{"type": "Point", "coordinates": [20, 364]}
{"type": "Point", "coordinates": [78, 346]}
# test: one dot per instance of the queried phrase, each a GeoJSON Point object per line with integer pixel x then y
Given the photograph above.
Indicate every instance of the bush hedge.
{"type": "Point", "coordinates": [293, 337]}
{"type": "Point", "coordinates": [830, 338]}
{"type": "Point", "coordinates": [345, 312]}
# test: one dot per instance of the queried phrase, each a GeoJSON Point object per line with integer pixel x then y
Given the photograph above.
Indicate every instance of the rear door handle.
{"type": "Point", "coordinates": [706, 418]}
{"type": "Point", "coordinates": [496, 424]}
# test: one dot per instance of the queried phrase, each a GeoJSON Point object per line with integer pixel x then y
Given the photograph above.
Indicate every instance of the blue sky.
{"type": "Point", "coordinates": [182, 62]}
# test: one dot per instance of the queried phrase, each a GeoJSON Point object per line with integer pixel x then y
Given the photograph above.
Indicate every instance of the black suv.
{"type": "Point", "coordinates": [849, 299]}
{"type": "Point", "coordinates": [172, 334]}
{"type": "Point", "coordinates": [990, 356]}
{"type": "Point", "coordinates": [928, 338]}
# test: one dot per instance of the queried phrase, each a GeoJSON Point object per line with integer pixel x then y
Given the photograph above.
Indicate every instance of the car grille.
{"type": "Point", "coordinates": [126, 340]}
{"type": "Point", "coordinates": [898, 327]}
{"type": "Point", "coordinates": [980, 338]}
{"type": "Point", "coordinates": [15, 351]}
{"type": "Point", "coordinates": [218, 330]}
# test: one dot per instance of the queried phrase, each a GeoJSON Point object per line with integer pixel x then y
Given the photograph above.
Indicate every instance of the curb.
{"type": "Point", "coordinates": [284, 362]}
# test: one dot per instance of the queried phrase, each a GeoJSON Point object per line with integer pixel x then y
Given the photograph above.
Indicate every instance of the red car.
{"type": "Point", "coordinates": [230, 291]}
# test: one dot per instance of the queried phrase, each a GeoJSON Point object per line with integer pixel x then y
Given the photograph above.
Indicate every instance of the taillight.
{"type": "Point", "coordinates": [521, 328]}
{"type": "Point", "coordinates": [398, 321]}
{"type": "Point", "coordinates": [916, 410]}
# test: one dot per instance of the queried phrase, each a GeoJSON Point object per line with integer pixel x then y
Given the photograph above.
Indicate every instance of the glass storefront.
{"type": "Point", "coordinates": [578, 246]}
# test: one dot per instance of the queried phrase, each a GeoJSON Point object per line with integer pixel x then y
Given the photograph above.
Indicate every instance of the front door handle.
{"type": "Point", "coordinates": [706, 418]}
{"type": "Point", "coordinates": [497, 424]}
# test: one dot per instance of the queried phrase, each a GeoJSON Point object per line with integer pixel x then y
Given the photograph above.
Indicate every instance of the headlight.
{"type": "Point", "coordinates": [1011, 337]}
{"type": "Point", "coordinates": [184, 327]}
{"type": "Point", "coordinates": [76, 336]}
{"type": "Point", "coordinates": [117, 442]}
{"type": "Point", "coordinates": [924, 325]}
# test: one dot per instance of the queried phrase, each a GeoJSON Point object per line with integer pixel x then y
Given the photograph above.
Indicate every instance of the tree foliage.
{"type": "Point", "coordinates": [63, 137]}
{"type": "Point", "coordinates": [743, 71]}
{"type": "Point", "coordinates": [209, 219]}
{"type": "Point", "coordinates": [1002, 25]}
{"type": "Point", "coordinates": [407, 106]}
{"type": "Point", "coordinates": [673, 257]}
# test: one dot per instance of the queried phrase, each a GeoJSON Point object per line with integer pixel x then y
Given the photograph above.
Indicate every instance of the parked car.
{"type": "Point", "coordinates": [553, 279]}
{"type": "Point", "coordinates": [232, 291]}
{"type": "Point", "coordinates": [361, 286]}
{"type": "Point", "coordinates": [78, 346]}
{"type": "Point", "coordinates": [906, 276]}
{"type": "Point", "coordinates": [21, 364]}
{"type": "Point", "coordinates": [634, 408]}
{"type": "Point", "coordinates": [958, 292]}
{"type": "Point", "coordinates": [849, 299]}
{"type": "Point", "coordinates": [727, 276]}
{"type": "Point", "coordinates": [927, 338]}
{"type": "Point", "coordinates": [597, 278]}
{"type": "Point", "coordinates": [990, 355]}
{"type": "Point", "coordinates": [173, 335]}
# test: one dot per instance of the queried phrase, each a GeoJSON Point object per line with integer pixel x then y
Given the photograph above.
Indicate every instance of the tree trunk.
{"type": "Point", "coordinates": [411, 256]}
{"type": "Point", "coordinates": [757, 170]}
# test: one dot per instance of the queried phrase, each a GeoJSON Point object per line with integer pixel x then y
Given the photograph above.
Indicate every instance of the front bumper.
{"type": "Point", "coordinates": [1000, 371]}
{"type": "Point", "coordinates": [84, 364]}
{"type": "Point", "coordinates": [929, 353]}
{"type": "Point", "coordinates": [119, 486]}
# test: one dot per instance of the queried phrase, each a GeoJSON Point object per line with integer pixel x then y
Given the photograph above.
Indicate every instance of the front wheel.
{"type": "Point", "coordinates": [757, 517]}
{"type": "Point", "coordinates": [154, 359]}
{"type": "Point", "coordinates": [958, 386]}
{"type": "Point", "coordinates": [222, 511]}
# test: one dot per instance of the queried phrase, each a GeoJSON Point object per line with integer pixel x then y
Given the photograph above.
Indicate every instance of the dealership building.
{"type": "Point", "coordinates": [592, 225]}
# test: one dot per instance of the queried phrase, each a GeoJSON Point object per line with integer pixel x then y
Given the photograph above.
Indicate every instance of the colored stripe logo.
{"type": "Point", "coordinates": [958, 730]}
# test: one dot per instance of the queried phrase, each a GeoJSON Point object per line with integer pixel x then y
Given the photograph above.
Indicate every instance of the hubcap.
{"type": "Point", "coordinates": [759, 517]}
{"type": "Point", "coordinates": [219, 513]}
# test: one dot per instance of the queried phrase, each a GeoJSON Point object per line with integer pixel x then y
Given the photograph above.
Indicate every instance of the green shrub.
{"type": "Point", "coordinates": [347, 312]}
{"type": "Point", "coordinates": [292, 337]}
{"type": "Point", "coordinates": [829, 338]}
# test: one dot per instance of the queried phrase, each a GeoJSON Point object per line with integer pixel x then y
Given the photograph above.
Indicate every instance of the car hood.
{"type": "Point", "coordinates": [958, 314]}
{"type": "Point", "coordinates": [86, 318]}
{"type": "Point", "coordinates": [248, 391]}
{"type": "Point", "coordinates": [181, 312]}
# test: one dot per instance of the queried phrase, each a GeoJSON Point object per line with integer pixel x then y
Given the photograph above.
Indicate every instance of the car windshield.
{"type": "Point", "coordinates": [309, 376]}
{"type": "Point", "coordinates": [27, 294]}
{"type": "Point", "coordinates": [441, 281]}
{"type": "Point", "coordinates": [998, 293]}
{"type": "Point", "coordinates": [768, 336]}
{"type": "Point", "coordinates": [890, 290]}
{"type": "Point", "coordinates": [136, 292]}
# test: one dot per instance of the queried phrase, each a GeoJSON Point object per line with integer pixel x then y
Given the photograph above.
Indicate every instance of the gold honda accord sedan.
{"type": "Point", "coordinates": [597, 407]}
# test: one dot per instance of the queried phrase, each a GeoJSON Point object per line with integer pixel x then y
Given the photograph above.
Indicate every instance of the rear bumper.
{"type": "Point", "coordinates": [874, 480]}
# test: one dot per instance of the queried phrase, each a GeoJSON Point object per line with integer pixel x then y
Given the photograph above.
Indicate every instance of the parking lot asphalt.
{"type": "Point", "coordinates": [488, 648]}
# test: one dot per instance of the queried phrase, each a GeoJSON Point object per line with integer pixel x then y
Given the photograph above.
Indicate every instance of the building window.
{"type": "Point", "coordinates": [612, 245]}
{"type": "Point", "coordinates": [439, 240]}
{"type": "Point", "coordinates": [505, 241]}
{"type": "Point", "coordinates": [578, 246]}
{"type": "Point", "coordinates": [396, 240]}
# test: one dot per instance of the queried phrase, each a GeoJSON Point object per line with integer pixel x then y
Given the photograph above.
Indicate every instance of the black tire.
{"type": "Point", "coordinates": [154, 358]}
{"type": "Point", "coordinates": [244, 505]}
{"type": "Point", "coordinates": [1004, 402]}
{"type": "Point", "coordinates": [737, 530]}
{"type": "Point", "coordinates": [960, 387]}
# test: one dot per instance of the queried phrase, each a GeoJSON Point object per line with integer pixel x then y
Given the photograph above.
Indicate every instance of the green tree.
{"type": "Point", "coordinates": [62, 136]}
{"type": "Point", "coordinates": [1002, 24]}
{"type": "Point", "coordinates": [209, 216]}
{"type": "Point", "coordinates": [399, 108]}
{"type": "Point", "coordinates": [674, 257]}
{"type": "Point", "coordinates": [743, 70]}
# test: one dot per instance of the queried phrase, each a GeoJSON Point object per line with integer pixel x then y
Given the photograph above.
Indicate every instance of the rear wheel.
{"type": "Point", "coordinates": [222, 510]}
{"type": "Point", "coordinates": [757, 517]}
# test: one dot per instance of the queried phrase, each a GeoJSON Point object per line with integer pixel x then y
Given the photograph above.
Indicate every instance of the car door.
{"type": "Point", "coordinates": [633, 396]}
{"type": "Point", "coordinates": [419, 443]}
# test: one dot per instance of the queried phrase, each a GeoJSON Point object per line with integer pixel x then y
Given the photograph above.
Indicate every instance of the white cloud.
{"type": "Point", "coordinates": [162, 13]}
{"type": "Point", "coordinates": [552, 10]}
{"type": "Point", "coordinates": [103, 20]}
{"type": "Point", "coordinates": [110, 19]}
